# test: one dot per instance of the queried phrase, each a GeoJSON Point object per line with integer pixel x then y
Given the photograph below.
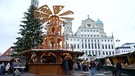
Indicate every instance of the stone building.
{"type": "Point", "coordinates": [90, 38]}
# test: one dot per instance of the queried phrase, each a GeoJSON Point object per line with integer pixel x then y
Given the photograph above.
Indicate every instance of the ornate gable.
{"type": "Point", "coordinates": [89, 23]}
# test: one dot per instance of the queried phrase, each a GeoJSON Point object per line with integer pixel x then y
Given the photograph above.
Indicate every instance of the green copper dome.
{"type": "Point", "coordinates": [99, 22]}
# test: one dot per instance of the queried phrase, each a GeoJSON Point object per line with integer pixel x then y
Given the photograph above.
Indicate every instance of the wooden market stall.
{"type": "Point", "coordinates": [127, 61]}
{"type": "Point", "coordinates": [48, 61]}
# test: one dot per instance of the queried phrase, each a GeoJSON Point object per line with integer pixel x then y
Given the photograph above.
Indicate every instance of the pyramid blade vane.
{"type": "Point", "coordinates": [57, 8]}
{"type": "Point", "coordinates": [43, 20]}
{"type": "Point", "coordinates": [69, 12]}
{"type": "Point", "coordinates": [67, 18]}
{"type": "Point", "coordinates": [45, 9]}
{"type": "Point", "coordinates": [40, 14]}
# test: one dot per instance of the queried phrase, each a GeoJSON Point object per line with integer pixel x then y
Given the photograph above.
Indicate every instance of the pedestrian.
{"type": "Point", "coordinates": [70, 65]}
{"type": "Point", "coordinates": [0, 69]}
{"type": "Point", "coordinates": [93, 67]}
{"type": "Point", "coordinates": [114, 72]}
{"type": "Point", "coordinates": [106, 68]}
{"type": "Point", "coordinates": [85, 65]}
{"type": "Point", "coordinates": [65, 64]}
{"type": "Point", "coordinates": [118, 68]}
{"type": "Point", "coordinates": [78, 65]}
{"type": "Point", "coordinates": [7, 68]}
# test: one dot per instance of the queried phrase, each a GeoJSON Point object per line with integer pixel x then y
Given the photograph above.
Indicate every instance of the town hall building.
{"type": "Point", "coordinates": [89, 38]}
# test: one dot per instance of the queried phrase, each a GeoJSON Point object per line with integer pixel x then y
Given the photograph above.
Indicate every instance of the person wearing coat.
{"type": "Point", "coordinates": [7, 68]}
{"type": "Point", "coordinates": [70, 66]}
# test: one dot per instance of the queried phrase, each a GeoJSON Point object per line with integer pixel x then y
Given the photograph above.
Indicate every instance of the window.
{"type": "Point", "coordinates": [102, 46]}
{"type": "Point", "coordinates": [96, 53]}
{"type": "Point", "coordinates": [91, 40]}
{"type": "Point", "coordinates": [85, 40]}
{"type": "Point", "coordinates": [81, 35]}
{"type": "Point", "coordinates": [92, 52]}
{"type": "Point", "coordinates": [112, 47]}
{"type": "Point", "coordinates": [82, 46]}
{"type": "Point", "coordinates": [98, 46]}
{"type": "Point", "coordinates": [92, 45]}
{"type": "Point", "coordinates": [85, 45]}
{"type": "Point", "coordinates": [109, 46]}
{"type": "Point", "coordinates": [109, 52]}
{"type": "Point", "coordinates": [78, 46]}
{"type": "Point", "coordinates": [95, 46]}
{"type": "Point", "coordinates": [89, 45]}
{"type": "Point", "coordinates": [75, 46]}
{"type": "Point", "coordinates": [86, 52]}
{"type": "Point", "coordinates": [89, 53]}
{"type": "Point", "coordinates": [106, 53]}
{"type": "Point", "coordinates": [99, 52]}
{"type": "Point", "coordinates": [105, 46]}
{"type": "Point", "coordinates": [113, 52]}
{"type": "Point", "coordinates": [103, 53]}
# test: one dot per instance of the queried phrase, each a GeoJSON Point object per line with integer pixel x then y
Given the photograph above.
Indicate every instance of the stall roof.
{"type": "Point", "coordinates": [52, 50]}
{"type": "Point", "coordinates": [6, 58]}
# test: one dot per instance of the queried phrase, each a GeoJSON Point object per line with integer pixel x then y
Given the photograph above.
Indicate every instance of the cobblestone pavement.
{"type": "Point", "coordinates": [77, 73]}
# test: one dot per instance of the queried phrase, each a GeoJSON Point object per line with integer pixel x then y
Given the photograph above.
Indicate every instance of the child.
{"type": "Point", "coordinates": [17, 73]}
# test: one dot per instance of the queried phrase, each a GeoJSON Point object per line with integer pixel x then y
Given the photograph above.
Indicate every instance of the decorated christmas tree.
{"type": "Point", "coordinates": [30, 31]}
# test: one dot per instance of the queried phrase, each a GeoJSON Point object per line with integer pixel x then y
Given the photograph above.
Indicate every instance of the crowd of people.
{"type": "Point", "coordinates": [68, 65]}
{"type": "Point", "coordinates": [9, 68]}
{"type": "Point", "coordinates": [5, 68]}
{"type": "Point", "coordinates": [96, 66]}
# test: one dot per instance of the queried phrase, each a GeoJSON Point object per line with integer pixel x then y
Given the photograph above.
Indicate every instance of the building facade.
{"type": "Point", "coordinates": [125, 48]}
{"type": "Point", "coordinates": [90, 38]}
{"type": "Point", "coordinates": [8, 52]}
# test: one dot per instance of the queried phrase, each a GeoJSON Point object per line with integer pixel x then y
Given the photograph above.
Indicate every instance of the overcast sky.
{"type": "Point", "coordinates": [118, 17]}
